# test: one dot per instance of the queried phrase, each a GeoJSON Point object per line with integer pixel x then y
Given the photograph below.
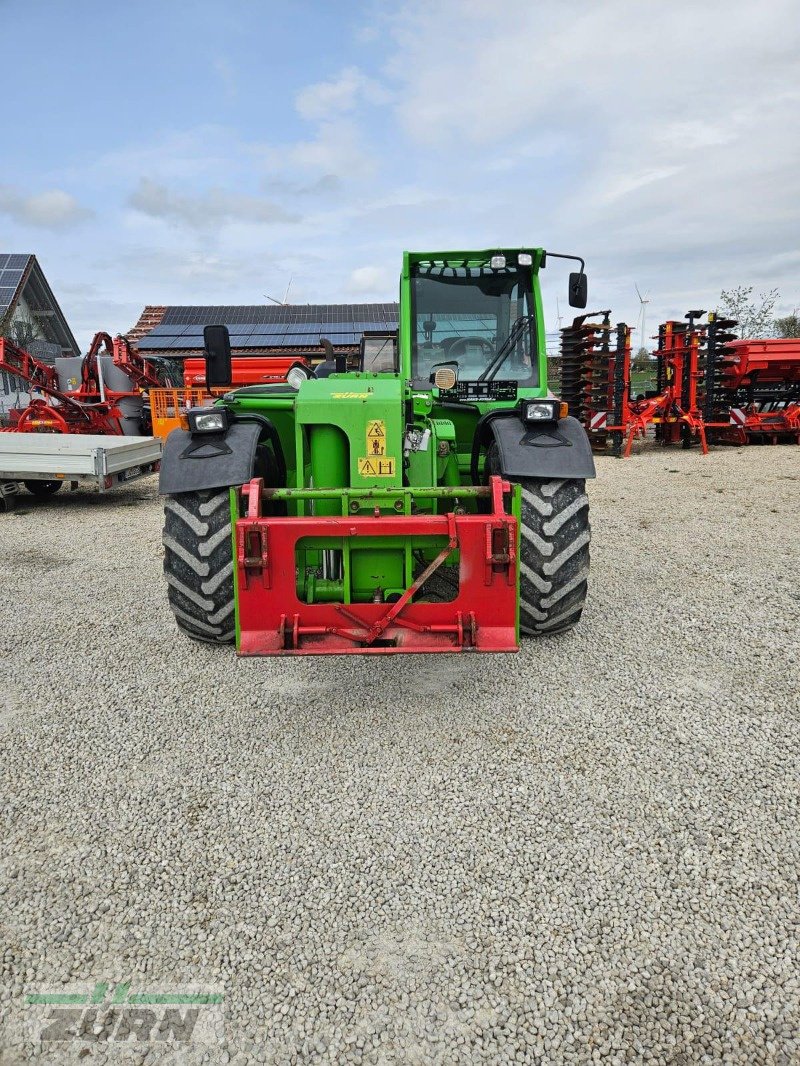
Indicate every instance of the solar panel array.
{"type": "Point", "coordinates": [262, 326]}
{"type": "Point", "coordinates": [12, 269]}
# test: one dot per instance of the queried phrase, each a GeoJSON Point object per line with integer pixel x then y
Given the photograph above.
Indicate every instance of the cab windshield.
{"type": "Point", "coordinates": [464, 315]}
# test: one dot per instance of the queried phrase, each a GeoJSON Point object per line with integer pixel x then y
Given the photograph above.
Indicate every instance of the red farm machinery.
{"type": "Point", "coordinates": [99, 394]}
{"type": "Point", "coordinates": [710, 386]}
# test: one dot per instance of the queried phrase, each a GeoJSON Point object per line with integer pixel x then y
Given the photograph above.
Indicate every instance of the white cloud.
{"type": "Point", "coordinates": [208, 209]}
{"type": "Point", "coordinates": [371, 281]}
{"type": "Point", "coordinates": [672, 161]}
{"type": "Point", "coordinates": [337, 151]}
{"type": "Point", "coordinates": [52, 209]}
{"type": "Point", "coordinates": [327, 99]}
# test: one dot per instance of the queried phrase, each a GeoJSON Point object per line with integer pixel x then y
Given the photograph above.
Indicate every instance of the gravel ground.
{"type": "Point", "coordinates": [587, 852]}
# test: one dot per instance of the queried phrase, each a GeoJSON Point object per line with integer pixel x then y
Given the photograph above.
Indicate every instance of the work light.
{"type": "Point", "coordinates": [544, 411]}
{"type": "Point", "coordinates": [297, 375]}
{"type": "Point", "coordinates": [203, 420]}
{"type": "Point", "coordinates": [525, 259]}
{"type": "Point", "coordinates": [497, 262]}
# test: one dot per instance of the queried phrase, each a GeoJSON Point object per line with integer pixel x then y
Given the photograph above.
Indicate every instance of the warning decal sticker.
{"type": "Point", "coordinates": [379, 466]}
{"type": "Point", "coordinates": [376, 437]}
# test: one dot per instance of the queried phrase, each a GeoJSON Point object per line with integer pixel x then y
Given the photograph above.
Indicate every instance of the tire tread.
{"type": "Point", "coordinates": [198, 564]}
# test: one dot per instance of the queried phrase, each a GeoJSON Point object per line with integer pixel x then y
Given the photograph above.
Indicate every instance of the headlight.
{"type": "Point", "coordinates": [296, 376]}
{"type": "Point", "coordinates": [203, 420]}
{"type": "Point", "coordinates": [544, 411]}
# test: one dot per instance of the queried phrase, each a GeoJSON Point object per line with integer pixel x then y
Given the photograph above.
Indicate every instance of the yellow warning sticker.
{"type": "Point", "coordinates": [376, 437]}
{"type": "Point", "coordinates": [379, 466]}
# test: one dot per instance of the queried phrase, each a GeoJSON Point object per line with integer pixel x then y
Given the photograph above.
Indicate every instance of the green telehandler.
{"type": "Point", "coordinates": [432, 500]}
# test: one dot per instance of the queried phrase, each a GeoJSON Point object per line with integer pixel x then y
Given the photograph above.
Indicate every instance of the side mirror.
{"type": "Point", "coordinates": [217, 344]}
{"type": "Point", "coordinates": [578, 289]}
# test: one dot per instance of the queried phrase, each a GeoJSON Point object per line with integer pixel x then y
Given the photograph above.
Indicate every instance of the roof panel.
{"type": "Point", "coordinates": [271, 325]}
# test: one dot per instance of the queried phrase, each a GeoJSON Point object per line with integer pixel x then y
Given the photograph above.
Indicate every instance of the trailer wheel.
{"type": "Point", "coordinates": [42, 489]}
{"type": "Point", "coordinates": [554, 551]}
{"type": "Point", "coordinates": [198, 564]}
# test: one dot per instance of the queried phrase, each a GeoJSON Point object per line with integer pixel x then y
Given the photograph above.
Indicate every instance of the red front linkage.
{"type": "Point", "coordinates": [482, 617]}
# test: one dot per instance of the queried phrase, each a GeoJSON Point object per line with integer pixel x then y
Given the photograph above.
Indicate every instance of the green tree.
{"type": "Point", "coordinates": [754, 316]}
{"type": "Point", "coordinates": [789, 326]}
{"type": "Point", "coordinates": [642, 361]}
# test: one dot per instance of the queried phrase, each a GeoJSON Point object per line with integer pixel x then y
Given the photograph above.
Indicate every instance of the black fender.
{"type": "Point", "coordinates": [555, 450]}
{"type": "Point", "coordinates": [208, 461]}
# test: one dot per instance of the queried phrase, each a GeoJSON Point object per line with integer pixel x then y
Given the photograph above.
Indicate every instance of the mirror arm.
{"type": "Point", "coordinates": [560, 255]}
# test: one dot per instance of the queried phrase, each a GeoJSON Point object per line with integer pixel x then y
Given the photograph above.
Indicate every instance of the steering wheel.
{"type": "Point", "coordinates": [459, 346]}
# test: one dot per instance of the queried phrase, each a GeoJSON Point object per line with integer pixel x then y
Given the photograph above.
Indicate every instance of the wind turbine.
{"type": "Point", "coordinates": [285, 300]}
{"type": "Point", "coordinates": [643, 302]}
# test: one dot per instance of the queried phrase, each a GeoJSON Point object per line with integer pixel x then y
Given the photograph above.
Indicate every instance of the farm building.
{"type": "Point", "coordinates": [261, 329]}
{"type": "Point", "coordinates": [31, 317]}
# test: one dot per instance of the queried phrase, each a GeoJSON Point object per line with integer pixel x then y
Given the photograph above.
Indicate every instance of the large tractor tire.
{"type": "Point", "coordinates": [554, 551]}
{"type": "Point", "coordinates": [554, 554]}
{"type": "Point", "coordinates": [198, 564]}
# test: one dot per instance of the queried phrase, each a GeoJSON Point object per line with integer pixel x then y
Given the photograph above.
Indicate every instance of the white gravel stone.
{"type": "Point", "coordinates": [588, 852]}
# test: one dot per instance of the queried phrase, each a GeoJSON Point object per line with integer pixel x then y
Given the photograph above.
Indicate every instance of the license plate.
{"type": "Point", "coordinates": [134, 471]}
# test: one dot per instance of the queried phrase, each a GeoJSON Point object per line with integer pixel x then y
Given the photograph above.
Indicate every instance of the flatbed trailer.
{"type": "Point", "coordinates": [95, 461]}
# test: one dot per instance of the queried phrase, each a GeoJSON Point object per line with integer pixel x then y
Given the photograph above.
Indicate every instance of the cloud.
{"type": "Point", "coordinates": [53, 209]}
{"type": "Point", "coordinates": [327, 99]}
{"type": "Point", "coordinates": [325, 185]}
{"type": "Point", "coordinates": [336, 151]}
{"type": "Point", "coordinates": [212, 208]}
{"type": "Point", "coordinates": [667, 126]}
{"type": "Point", "coordinates": [371, 281]}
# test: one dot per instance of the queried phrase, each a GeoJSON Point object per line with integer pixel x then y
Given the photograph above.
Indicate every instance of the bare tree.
{"type": "Point", "coordinates": [22, 329]}
{"type": "Point", "coordinates": [754, 316]}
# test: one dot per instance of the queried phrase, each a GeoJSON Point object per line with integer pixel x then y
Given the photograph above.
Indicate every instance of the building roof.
{"type": "Point", "coordinates": [21, 277]}
{"type": "Point", "coordinates": [261, 328]}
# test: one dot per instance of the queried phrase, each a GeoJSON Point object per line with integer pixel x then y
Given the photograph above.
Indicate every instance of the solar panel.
{"type": "Point", "coordinates": [12, 271]}
{"type": "Point", "coordinates": [156, 343]}
{"type": "Point", "coordinates": [271, 325]}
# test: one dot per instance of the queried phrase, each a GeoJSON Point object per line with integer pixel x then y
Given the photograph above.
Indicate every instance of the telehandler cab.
{"type": "Point", "coordinates": [432, 500]}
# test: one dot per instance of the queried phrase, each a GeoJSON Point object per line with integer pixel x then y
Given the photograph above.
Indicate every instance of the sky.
{"type": "Point", "coordinates": [210, 152]}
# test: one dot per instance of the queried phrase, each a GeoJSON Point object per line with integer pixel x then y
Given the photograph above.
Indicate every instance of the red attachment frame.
{"type": "Point", "coordinates": [482, 617]}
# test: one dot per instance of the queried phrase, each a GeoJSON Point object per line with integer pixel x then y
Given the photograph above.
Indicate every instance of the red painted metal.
{"type": "Point", "coordinates": [675, 410]}
{"type": "Point", "coordinates": [245, 370]}
{"type": "Point", "coordinates": [81, 410]}
{"type": "Point", "coordinates": [767, 373]}
{"type": "Point", "coordinates": [761, 361]}
{"type": "Point", "coordinates": [482, 617]}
